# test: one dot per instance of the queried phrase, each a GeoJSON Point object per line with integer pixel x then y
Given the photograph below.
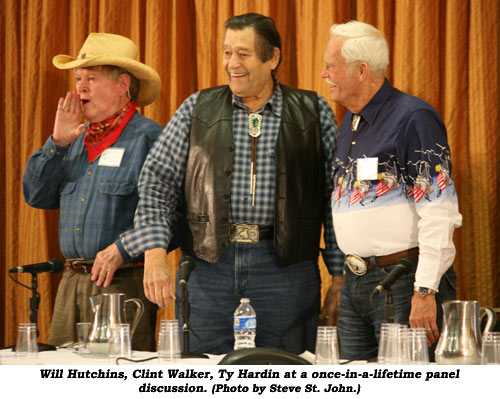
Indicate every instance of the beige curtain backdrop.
{"type": "Point", "coordinates": [443, 51]}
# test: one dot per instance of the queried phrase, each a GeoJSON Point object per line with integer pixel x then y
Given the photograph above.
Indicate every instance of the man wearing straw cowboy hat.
{"type": "Point", "coordinates": [90, 171]}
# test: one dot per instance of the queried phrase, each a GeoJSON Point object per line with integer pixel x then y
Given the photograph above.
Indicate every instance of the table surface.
{"type": "Point", "coordinates": [70, 356]}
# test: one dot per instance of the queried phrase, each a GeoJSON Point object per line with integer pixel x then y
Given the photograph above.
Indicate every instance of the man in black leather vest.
{"type": "Point", "coordinates": [249, 163]}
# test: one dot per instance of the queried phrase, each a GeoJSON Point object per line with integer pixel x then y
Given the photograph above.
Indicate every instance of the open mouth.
{"type": "Point", "coordinates": [328, 80]}
{"type": "Point", "coordinates": [84, 101]}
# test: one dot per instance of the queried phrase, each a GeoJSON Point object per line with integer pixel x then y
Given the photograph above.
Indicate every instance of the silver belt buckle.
{"type": "Point", "coordinates": [356, 264]}
{"type": "Point", "coordinates": [244, 233]}
{"type": "Point", "coordinates": [81, 261]}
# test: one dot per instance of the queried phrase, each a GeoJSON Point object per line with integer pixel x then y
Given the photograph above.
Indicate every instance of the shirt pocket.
{"type": "Point", "coordinates": [115, 205]}
{"type": "Point", "coordinates": [67, 206]}
{"type": "Point", "coordinates": [66, 197]}
{"type": "Point", "coordinates": [68, 188]}
{"type": "Point", "coordinates": [123, 189]}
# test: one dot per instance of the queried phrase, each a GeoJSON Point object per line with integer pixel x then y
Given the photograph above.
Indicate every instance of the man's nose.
{"type": "Point", "coordinates": [234, 60]}
{"type": "Point", "coordinates": [81, 86]}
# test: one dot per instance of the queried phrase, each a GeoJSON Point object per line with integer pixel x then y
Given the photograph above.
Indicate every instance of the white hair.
{"type": "Point", "coordinates": [363, 42]}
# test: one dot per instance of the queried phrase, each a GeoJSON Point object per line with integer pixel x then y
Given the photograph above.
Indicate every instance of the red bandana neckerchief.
{"type": "Point", "coordinates": [101, 135]}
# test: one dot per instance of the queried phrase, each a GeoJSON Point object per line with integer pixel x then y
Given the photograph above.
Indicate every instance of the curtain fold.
{"type": "Point", "coordinates": [483, 95]}
{"type": "Point", "coordinates": [443, 51]}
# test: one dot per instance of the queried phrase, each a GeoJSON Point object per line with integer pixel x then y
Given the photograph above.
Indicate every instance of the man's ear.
{"type": "Point", "coordinates": [124, 82]}
{"type": "Point", "coordinates": [276, 58]}
{"type": "Point", "coordinates": [362, 70]}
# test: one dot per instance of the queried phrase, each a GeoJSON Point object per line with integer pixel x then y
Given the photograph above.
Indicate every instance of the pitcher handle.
{"type": "Point", "coordinates": [492, 318]}
{"type": "Point", "coordinates": [138, 314]}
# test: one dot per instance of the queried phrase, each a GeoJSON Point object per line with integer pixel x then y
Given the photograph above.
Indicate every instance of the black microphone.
{"type": "Point", "coordinates": [186, 265]}
{"type": "Point", "coordinates": [53, 266]}
{"type": "Point", "coordinates": [403, 267]}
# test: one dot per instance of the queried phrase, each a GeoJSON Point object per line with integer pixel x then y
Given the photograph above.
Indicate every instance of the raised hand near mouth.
{"type": "Point", "coordinates": [67, 125]}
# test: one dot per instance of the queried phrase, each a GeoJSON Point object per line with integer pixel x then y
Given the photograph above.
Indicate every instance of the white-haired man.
{"type": "Point", "coordinates": [394, 200]}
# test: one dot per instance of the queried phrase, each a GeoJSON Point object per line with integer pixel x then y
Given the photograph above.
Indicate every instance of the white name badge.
{"type": "Point", "coordinates": [112, 157]}
{"type": "Point", "coordinates": [367, 169]}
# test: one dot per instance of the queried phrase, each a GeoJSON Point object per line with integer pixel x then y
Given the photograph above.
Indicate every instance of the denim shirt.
{"type": "Point", "coordinates": [97, 202]}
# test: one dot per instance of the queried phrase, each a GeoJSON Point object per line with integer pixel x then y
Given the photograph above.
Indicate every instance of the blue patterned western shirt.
{"type": "Point", "coordinates": [161, 182]}
{"type": "Point", "coordinates": [404, 197]}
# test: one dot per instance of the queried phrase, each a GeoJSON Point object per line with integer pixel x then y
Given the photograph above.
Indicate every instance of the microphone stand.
{"type": "Point", "coordinates": [186, 353]}
{"type": "Point", "coordinates": [34, 303]}
{"type": "Point", "coordinates": [389, 306]}
{"type": "Point", "coordinates": [185, 318]}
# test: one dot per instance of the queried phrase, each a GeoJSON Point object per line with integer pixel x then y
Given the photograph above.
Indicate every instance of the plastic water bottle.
{"type": "Point", "coordinates": [245, 325]}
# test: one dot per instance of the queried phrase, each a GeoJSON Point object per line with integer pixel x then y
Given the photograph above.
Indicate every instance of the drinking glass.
{"type": "Point", "coordinates": [27, 340]}
{"type": "Point", "coordinates": [416, 343]}
{"type": "Point", "coordinates": [120, 343]}
{"type": "Point", "coordinates": [387, 331]}
{"type": "Point", "coordinates": [169, 345]}
{"type": "Point", "coordinates": [327, 345]}
{"type": "Point", "coordinates": [392, 346]}
{"type": "Point", "coordinates": [82, 333]}
{"type": "Point", "coordinates": [490, 350]}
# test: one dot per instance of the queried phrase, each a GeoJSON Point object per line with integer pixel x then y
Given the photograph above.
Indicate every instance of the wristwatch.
{"type": "Point", "coordinates": [424, 291]}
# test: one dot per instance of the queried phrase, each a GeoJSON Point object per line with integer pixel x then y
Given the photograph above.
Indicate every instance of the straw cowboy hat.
{"type": "Point", "coordinates": [110, 49]}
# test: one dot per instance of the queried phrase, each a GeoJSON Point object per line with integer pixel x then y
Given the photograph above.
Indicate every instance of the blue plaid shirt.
{"type": "Point", "coordinates": [161, 182]}
{"type": "Point", "coordinates": [97, 203]}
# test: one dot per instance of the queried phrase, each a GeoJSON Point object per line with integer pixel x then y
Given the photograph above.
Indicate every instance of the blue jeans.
{"type": "Point", "coordinates": [359, 323]}
{"type": "Point", "coordinates": [286, 299]}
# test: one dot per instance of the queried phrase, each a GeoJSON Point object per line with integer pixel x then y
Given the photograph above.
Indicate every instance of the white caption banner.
{"type": "Point", "coordinates": [136, 381]}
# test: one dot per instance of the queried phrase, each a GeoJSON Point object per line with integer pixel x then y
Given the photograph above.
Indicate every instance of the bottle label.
{"type": "Point", "coordinates": [245, 323]}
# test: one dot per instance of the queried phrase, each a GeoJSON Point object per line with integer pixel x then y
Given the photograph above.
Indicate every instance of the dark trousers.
{"type": "Point", "coordinates": [359, 321]}
{"type": "Point", "coordinates": [286, 299]}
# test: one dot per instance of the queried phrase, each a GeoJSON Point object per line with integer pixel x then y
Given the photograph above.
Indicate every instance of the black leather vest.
{"type": "Point", "coordinates": [300, 177]}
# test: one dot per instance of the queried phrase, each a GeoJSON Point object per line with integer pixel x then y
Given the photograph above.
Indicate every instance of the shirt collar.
{"type": "Point", "coordinates": [275, 102]}
{"type": "Point", "coordinates": [370, 111]}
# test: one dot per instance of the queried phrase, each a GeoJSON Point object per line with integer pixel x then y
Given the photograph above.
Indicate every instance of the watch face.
{"type": "Point", "coordinates": [424, 291]}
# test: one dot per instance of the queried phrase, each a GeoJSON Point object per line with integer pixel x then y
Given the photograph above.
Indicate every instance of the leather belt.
{"type": "Point", "coordinates": [84, 266]}
{"type": "Point", "coordinates": [249, 233]}
{"type": "Point", "coordinates": [360, 265]}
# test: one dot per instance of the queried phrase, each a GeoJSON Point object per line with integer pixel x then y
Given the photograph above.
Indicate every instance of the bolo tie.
{"type": "Point", "coordinates": [254, 124]}
{"type": "Point", "coordinates": [355, 122]}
